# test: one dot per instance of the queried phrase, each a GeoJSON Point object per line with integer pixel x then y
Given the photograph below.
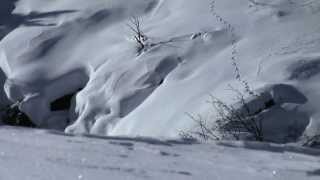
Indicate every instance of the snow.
{"type": "Point", "coordinates": [50, 51]}
{"type": "Point", "coordinates": [85, 48]}
{"type": "Point", "coordinates": [74, 66]}
{"type": "Point", "coordinates": [44, 155]}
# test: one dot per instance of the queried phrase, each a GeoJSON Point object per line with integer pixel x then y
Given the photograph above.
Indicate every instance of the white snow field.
{"type": "Point", "coordinates": [60, 48]}
{"type": "Point", "coordinates": [44, 155]}
{"type": "Point", "coordinates": [74, 66]}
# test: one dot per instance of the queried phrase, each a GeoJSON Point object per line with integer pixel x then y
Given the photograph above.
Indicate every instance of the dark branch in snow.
{"type": "Point", "coordinates": [139, 36]}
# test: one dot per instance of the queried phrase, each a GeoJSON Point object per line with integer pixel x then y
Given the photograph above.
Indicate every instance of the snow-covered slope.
{"type": "Point", "coordinates": [41, 155]}
{"type": "Point", "coordinates": [58, 48]}
{"type": "Point", "coordinates": [74, 65]}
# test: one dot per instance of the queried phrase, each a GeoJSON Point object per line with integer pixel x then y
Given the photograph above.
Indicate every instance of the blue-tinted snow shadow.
{"type": "Point", "coordinates": [271, 147]}
{"type": "Point", "coordinates": [314, 172]}
{"type": "Point", "coordinates": [4, 101]}
{"type": "Point", "coordinates": [10, 21]}
{"type": "Point", "coordinates": [147, 140]}
{"type": "Point", "coordinates": [31, 19]}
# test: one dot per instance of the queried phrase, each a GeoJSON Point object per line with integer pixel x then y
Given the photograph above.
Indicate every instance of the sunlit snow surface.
{"type": "Point", "coordinates": [55, 49]}
{"type": "Point", "coordinates": [43, 155]}
{"type": "Point", "coordinates": [62, 47]}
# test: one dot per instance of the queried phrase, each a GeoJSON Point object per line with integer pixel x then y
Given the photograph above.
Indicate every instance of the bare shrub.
{"type": "Point", "coordinates": [231, 123]}
{"type": "Point", "coordinates": [138, 34]}
{"type": "Point", "coordinates": [203, 131]}
{"type": "Point", "coordinates": [238, 122]}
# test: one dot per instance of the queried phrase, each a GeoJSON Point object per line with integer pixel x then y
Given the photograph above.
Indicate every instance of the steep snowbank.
{"type": "Point", "coordinates": [66, 47]}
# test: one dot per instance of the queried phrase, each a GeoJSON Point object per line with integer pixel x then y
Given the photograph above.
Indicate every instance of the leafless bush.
{"type": "Point", "coordinates": [139, 35]}
{"type": "Point", "coordinates": [203, 131]}
{"type": "Point", "coordinates": [238, 122]}
{"type": "Point", "coordinates": [231, 123]}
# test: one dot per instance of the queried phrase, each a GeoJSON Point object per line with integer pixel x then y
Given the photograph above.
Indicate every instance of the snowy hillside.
{"type": "Point", "coordinates": [74, 64]}
{"type": "Point", "coordinates": [59, 49]}
{"type": "Point", "coordinates": [50, 156]}
{"type": "Point", "coordinates": [95, 76]}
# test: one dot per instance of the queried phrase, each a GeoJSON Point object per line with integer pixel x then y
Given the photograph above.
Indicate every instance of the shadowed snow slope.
{"type": "Point", "coordinates": [85, 48]}
{"type": "Point", "coordinates": [42, 155]}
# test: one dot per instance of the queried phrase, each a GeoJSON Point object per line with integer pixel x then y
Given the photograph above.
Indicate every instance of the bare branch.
{"type": "Point", "coordinates": [135, 26]}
